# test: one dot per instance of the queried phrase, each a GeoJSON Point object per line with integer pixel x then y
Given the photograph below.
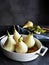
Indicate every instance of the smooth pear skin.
{"type": "Point", "coordinates": [16, 35]}
{"type": "Point", "coordinates": [21, 47]}
{"type": "Point", "coordinates": [10, 43]}
{"type": "Point", "coordinates": [28, 24]}
{"type": "Point", "coordinates": [29, 40]}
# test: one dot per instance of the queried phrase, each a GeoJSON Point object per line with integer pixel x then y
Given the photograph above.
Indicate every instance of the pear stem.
{"type": "Point", "coordinates": [14, 27]}
{"type": "Point", "coordinates": [19, 40]}
{"type": "Point", "coordinates": [8, 33]}
{"type": "Point", "coordinates": [30, 33]}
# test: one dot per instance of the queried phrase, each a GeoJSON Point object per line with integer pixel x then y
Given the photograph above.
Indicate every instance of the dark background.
{"type": "Point", "coordinates": [19, 11]}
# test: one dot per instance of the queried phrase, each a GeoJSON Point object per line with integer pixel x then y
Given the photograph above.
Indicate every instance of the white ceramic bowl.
{"type": "Point", "coordinates": [25, 56]}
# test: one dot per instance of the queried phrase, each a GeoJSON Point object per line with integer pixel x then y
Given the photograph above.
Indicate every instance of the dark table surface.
{"type": "Point", "coordinates": [39, 61]}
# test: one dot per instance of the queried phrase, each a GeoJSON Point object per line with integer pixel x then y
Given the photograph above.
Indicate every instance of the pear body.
{"type": "Point", "coordinates": [16, 35]}
{"type": "Point", "coordinates": [28, 24]}
{"type": "Point", "coordinates": [29, 40]}
{"type": "Point", "coordinates": [21, 47]}
{"type": "Point", "coordinates": [10, 44]}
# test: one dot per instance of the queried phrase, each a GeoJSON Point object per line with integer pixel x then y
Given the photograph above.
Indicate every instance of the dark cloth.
{"type": "Point", "coordinates": [19, 11]}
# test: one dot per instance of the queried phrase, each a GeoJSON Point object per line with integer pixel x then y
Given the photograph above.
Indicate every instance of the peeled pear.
{"type": "Point", "coordinates": [29, 40]}
{"type": "Point", "coordinates": [16, 35]}
{"type": "Point", "coordinates": [10, 43]}
{"type": "Point", "coordinates": [28, 24]}
{"type": "Point", "coordinates": [21, 47]}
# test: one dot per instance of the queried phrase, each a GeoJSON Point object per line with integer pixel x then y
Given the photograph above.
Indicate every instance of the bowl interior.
{"type": "Point", "coordinates": [37, 42]}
